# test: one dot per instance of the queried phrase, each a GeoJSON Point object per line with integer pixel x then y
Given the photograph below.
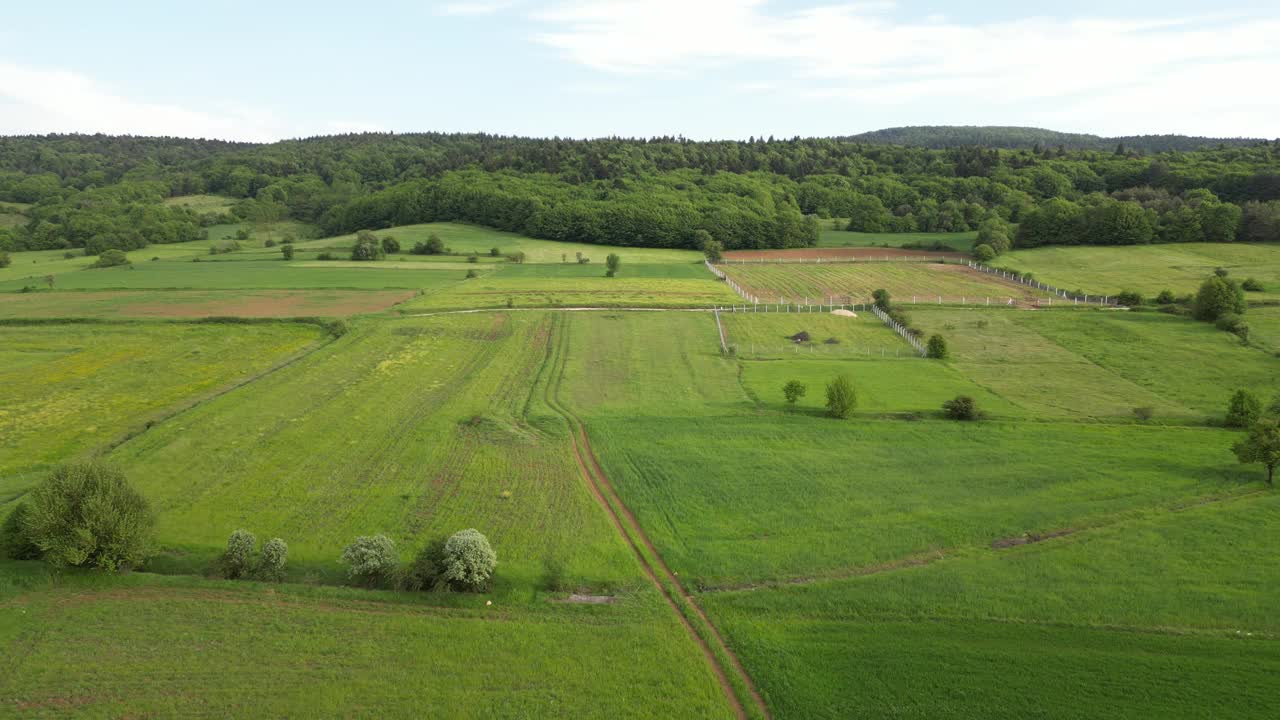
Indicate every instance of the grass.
{"type": "Point", "coordinates": [203, 203]}
{"type": "Point", "coordinates": [1264, 327]}
{"type": "Point", "coordinates": [414, 428]}
{"type": "Point", "coordinates": [768, 335]}
{"type": "Point", "coordinates": [72, 388]}
{"type": "Point", "coordinates": [854, 283]}
{"type": "Point", "coordinates": [1174, 604]}
{"type": "Point", "coordinates": [198, 303]}
{"type": "Point", "coordinates": [1148, 269]}
{"type": "Point", "coordinates": [149, 645]}
{"type": "Point", "coordinates": [657, 286]}
{"type": "Point", "coordinates": [832, 238]}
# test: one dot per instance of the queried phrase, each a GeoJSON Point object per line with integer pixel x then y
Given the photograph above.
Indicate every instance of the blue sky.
{"type": "Point", "coordinates": [701, 68]}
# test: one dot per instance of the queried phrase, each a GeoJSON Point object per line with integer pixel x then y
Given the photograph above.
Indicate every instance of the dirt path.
{"type": "Point", "coordinates": [656, 570]}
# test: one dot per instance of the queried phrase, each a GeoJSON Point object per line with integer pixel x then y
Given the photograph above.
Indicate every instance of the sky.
{"type": "Point", "coordinates": [704, 69]}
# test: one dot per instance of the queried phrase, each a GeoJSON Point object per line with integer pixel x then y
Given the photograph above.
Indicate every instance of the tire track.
{"type": "Point", "coordinates": [624, 521]}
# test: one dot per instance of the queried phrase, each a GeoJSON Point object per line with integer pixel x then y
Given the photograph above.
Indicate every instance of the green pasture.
{"type": "Point", "coordinates": [769, 335]}
{"type": "Point", "coordinates": [202, 203]}
{"type": "Point", "coordinates": [69, 389]}
{"type": "Point", "coordinates": [145, 645]}
{"type": "Point", "coordinates": [1149, 268]}
{"type": "Point", "coordinates": [171, 304]}
{"type": "Point", "coordinates": [1264, 327]}
{"type": "Point", "coordinates": [907, 282]}
{"type": "Point", "coordinates": [1163, 616]}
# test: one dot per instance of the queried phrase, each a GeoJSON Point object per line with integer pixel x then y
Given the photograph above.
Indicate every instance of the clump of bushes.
{"type": "Point", "coordinates": [472, 274]}
{"type": "Point", "coordinates": [612, 263]}
{"type": "Point", "coordinates": [371, 560]}
{"type": "Point", "coordinates": [1234, 324]}
{"type": "Point", "coordinates": [1217, 297]}
{"type": "Point", "coordinates": [937, 348]}
{"type": "Point", "coordinates": [793, 391]}
{"type": "Point", "coordinates": [433, 246]}
{"type": "Point", "coordinates": [88, 515]}
{"type": "Point", "coordinates": [1129, 298]}
{"type": "Point", "coordinates": [1252, 285]}
{"type": "Point", "coordinates": [325, 256]}
{"type": "Point", "coordinates": [243, 559]}
{"type": "Point", "coordinates": [1144, 413]}
{"type": "Point", "coordinates": [800, 337]}
{"type": "Point", "coordinates": [367, 247]}
{"type": "Point", "coordinates": [15, 541]}
{"type": "Point", "coordinates": [1243, 410]}
{"type": "Point", "coordinates": [269, 243]}
{"type": "Point", "coordinates": [1165, 298]}
{"type": "Point", "coordinates": [390, 245]}
{"type": "Point", "coordinates": [962, 407]}
{"type": "Point", "coordinates": [495, 252]}
{"type": "Point", "coordinates": [984, 253]}
{"type": "Point", "coordinates": [110, 258]}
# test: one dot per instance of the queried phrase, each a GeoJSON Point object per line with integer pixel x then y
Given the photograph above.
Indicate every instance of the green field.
{"type": "Point", "coordinates": [198, 303]}
{"type": "Point", "coordinates": [1149, 269]}
{"type": "Point", "coordinates": [769, 335]}
{"type": "Point", "coordinates": [907, 283]}
{"type": "Point", "coordinates": [202, 203]}
{"type": "Point", "coordinates": [832, 238]}
{"type": "Point", "coordinates": [69, 389]}
{"type": "Point", "coordinates": [146, 645]}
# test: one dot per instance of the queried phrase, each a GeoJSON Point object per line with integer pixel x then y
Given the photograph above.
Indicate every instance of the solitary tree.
{"type": "Point", "coordinates": [87, 515]}
{"type": "Point", "coordinates": [1262, 445]}
{"type": "Point", "coordinates": [435, 246]}
{"type": "Point", "coordinates": [1218, 296]}
{"type": "Point", "coordinates": [612, 262]}
{"type": "Point", "coordinates": [962, 407]}
{"type": "Point", "coordinates": [1243, 410]}
{"type": "Point", "coordinates": [841, 399]}
{"type": "Point", "coordinates": [793, 391]}
{"type": "Point", "coordinates": [287, 251]}
{"type": "Point", "coordinates": [882, 299]}
{"type": "Point", "coordinates": [367, 247]}
{"type": "Point", "coordinates": [468, 560]}
{"type": "Point", "coordinates": [390, 245]}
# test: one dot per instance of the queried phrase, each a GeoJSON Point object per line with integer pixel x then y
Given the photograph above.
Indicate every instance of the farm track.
{"type": "Point", "coordinates": [624, 521]}
{"type": "Point", "coordinates": [929, 557]}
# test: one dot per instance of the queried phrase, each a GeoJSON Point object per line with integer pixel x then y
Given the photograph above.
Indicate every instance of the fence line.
{"type": "Point", "coordinates": [724, 347]}
{"type": "Point", "coordinates": [898, 328]}
{"type": "Point", "coordinates": [936, 259]}
{"type": "Point", "coordinates": [1014, 277]}
{"type": "Point", "coordinates": [736, 287]}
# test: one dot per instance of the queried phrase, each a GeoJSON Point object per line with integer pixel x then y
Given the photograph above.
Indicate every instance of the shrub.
{"type": "Point", "coordinates": [288, 239]}
{"type": "Point", "coordinates": [472, 274]}
{"type": "Point", "coordinates": [517, 257]}
{"type": "Point", "coordinates": [325, 256]}
{"type": "Point", "coordinates": [801, 337]}
{"type": "Point", "coordinates": [473, 258]}
{"type": "Point", "coordinates": [882, 299]}
{"type": "Point", "coordinates": [275, 556]}
{"type": "Point", "coordinates": [237, 560]}
{"type": "Point", "coordinates": [1252, 285]}
{"type": "Point", "coordinates": [553, 575]}
{"type": "Point", "coordinates": [937, 348]}
{"type": "Point", "coordinates": [424, 573]}
{"type": "Point", "coordinates": [1234, 324]}
{"type": "Point", "coordinates": [495, 252]}
{"type": "Point", "coordinates": [5, 260]}
{"type": "Point", "coordinates": [1216, 297]}
{"type": "Point", "coordinates": [1220, 272]}
{"type": "Point", "coordinates": [367, 247]}
{"type": "Point", "coordinates": [269, 243]}
{"type": "Point", "coordinates": [712, 250]}
{"type": "Point", "coordinates": [68, 255]}
{"type": "Point", "coordinates": [337, 328]}
{"type": "Point", "coordinates": [468, 561]}
{"type": "Point", "coordinates": [87, 515]}
{"type": "Point", "coordinates": [841, 398]}
{"type": "Point", "coordinates": [613, 262]}
{"type": "Point", "coordinates": [793, 391]}
{"type": "Point", "coordinates": [1144, 413]}
{"type": "Point", "coordinates": [962, 407]}
{"type": "Point", "coordinates": [242, 234]}
{"type": "Point", "coordinates": [371, 560]}
{"type": "Point", "coordinates": [984, 253]}
{"type": "Point", "coordinates": [110, 258]}
{"type": "Point", "coordinates": [15, 541]}
{"type": "Point", "coordinates": [434, 246]}
{"type": "Point", "coordinates": [1165, 297]}
{"type": "Point", "coordinates": [1243, 410]}
{"type": "Point", "coordinates": [287, 252]}
{"type": "Point", "coordinates": [1129, 298]}
{"type": "Point", "coordinates": [390, 245]}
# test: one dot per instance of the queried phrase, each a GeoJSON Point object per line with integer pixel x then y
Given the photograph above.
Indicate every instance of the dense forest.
{"type": "Point", "coordinates": [99, 192]}
{"type": "Point", "coordinates": [941, 137]}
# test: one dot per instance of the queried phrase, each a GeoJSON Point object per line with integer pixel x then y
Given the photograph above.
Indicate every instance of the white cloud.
{"type": "Point", "coordinates": [1139, 71]}
{"type": "Point", "coordinates": [475, 8]}
{"type": "Point", "coordinates": [40, 101]}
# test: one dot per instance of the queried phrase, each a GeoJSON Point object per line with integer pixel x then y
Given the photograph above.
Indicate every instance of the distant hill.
{"type": "Point", "coordinates": [949, 136]}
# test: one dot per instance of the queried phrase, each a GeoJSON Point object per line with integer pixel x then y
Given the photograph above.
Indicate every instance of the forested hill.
{"type": "Point", "coordinates": [99, 192]}
{"type": "Point", "coordinates": [950, 136]}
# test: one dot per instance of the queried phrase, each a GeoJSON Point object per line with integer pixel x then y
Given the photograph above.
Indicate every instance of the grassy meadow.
{"type": "Point", "coordinates": [832, 237]}
{"type": "Point", "coordinates": [122, 304]}
{"type": "Point", "coordinates": [855, 282]}
{"type": "Point", "coordinates": [1148, 269]}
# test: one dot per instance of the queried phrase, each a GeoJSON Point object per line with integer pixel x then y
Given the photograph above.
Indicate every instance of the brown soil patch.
{"type": "Point", "coordinates": [854, 253]}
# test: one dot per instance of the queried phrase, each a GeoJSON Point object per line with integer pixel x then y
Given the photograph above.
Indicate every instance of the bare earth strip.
{"type": "Point", "coordinates": [200, 303]}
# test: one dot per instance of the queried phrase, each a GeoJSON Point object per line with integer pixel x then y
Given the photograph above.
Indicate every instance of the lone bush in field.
{"type": "Point", "coordinates": [15, 541]}
{"type": "Point", "coordinates": [1252, 285]}
{"type": "Point", "coordinates": [275, 556]}
{"type": "Point", "coordinates": [1129, 298]}
{"type": "Point", "coordinates": [984, 253]}
{"type": "Point", "coordinates": [962, 407]}
{"type": "Point", "coordinates": [237, 560]}
{"type": "Point", "coordinates": [110, 258]}
{"type": "Point", "coordinates": [1144, 413]}
{"type": "Point", "coordinates": [1166, 298]}
{"type": "Point", "coordinates": [367, 247]}
{"type": "Point", "coordinates": [286, 251]}
{"type": "Point", "coordinates": [1233, 324]}
{"type": "Point", "coordinates": [1217, 297]}
{"type": "Point", "coordinates": [937, 347]}
{"type": "Point", "coordinates": [1262, 445]}
{"type": "Point", "coordinates": [495, 252]}
{"type": "Point", "coordinates": [87, 515]}
{"type": "Point", "coordinates": [882, 299]}
{"type": "Point", "coordinates": [841, 398]}
{"type": "Point", "coordinates": [1243, 410]}
{"type": "Point", "coordinates": [468, 561]}
{"type": "Point", "coordinates": [612, 262]}
{"type": "Point", "coordinates": [390, 245]}
{"type": "Point", "coordinates": [712, 249]}
{"type": "Point", "coordinates": [371, 560]}
{"type": "Point", "coordinates": [793, 391]}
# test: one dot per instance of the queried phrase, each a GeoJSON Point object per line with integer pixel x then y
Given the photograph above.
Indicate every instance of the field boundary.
{"type": "Point", "coordinates": [729, 671]}
{"type": "Point", "coordinates": [902, 331]}
{"type": "Point", "coordinates": [1045, 287]}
